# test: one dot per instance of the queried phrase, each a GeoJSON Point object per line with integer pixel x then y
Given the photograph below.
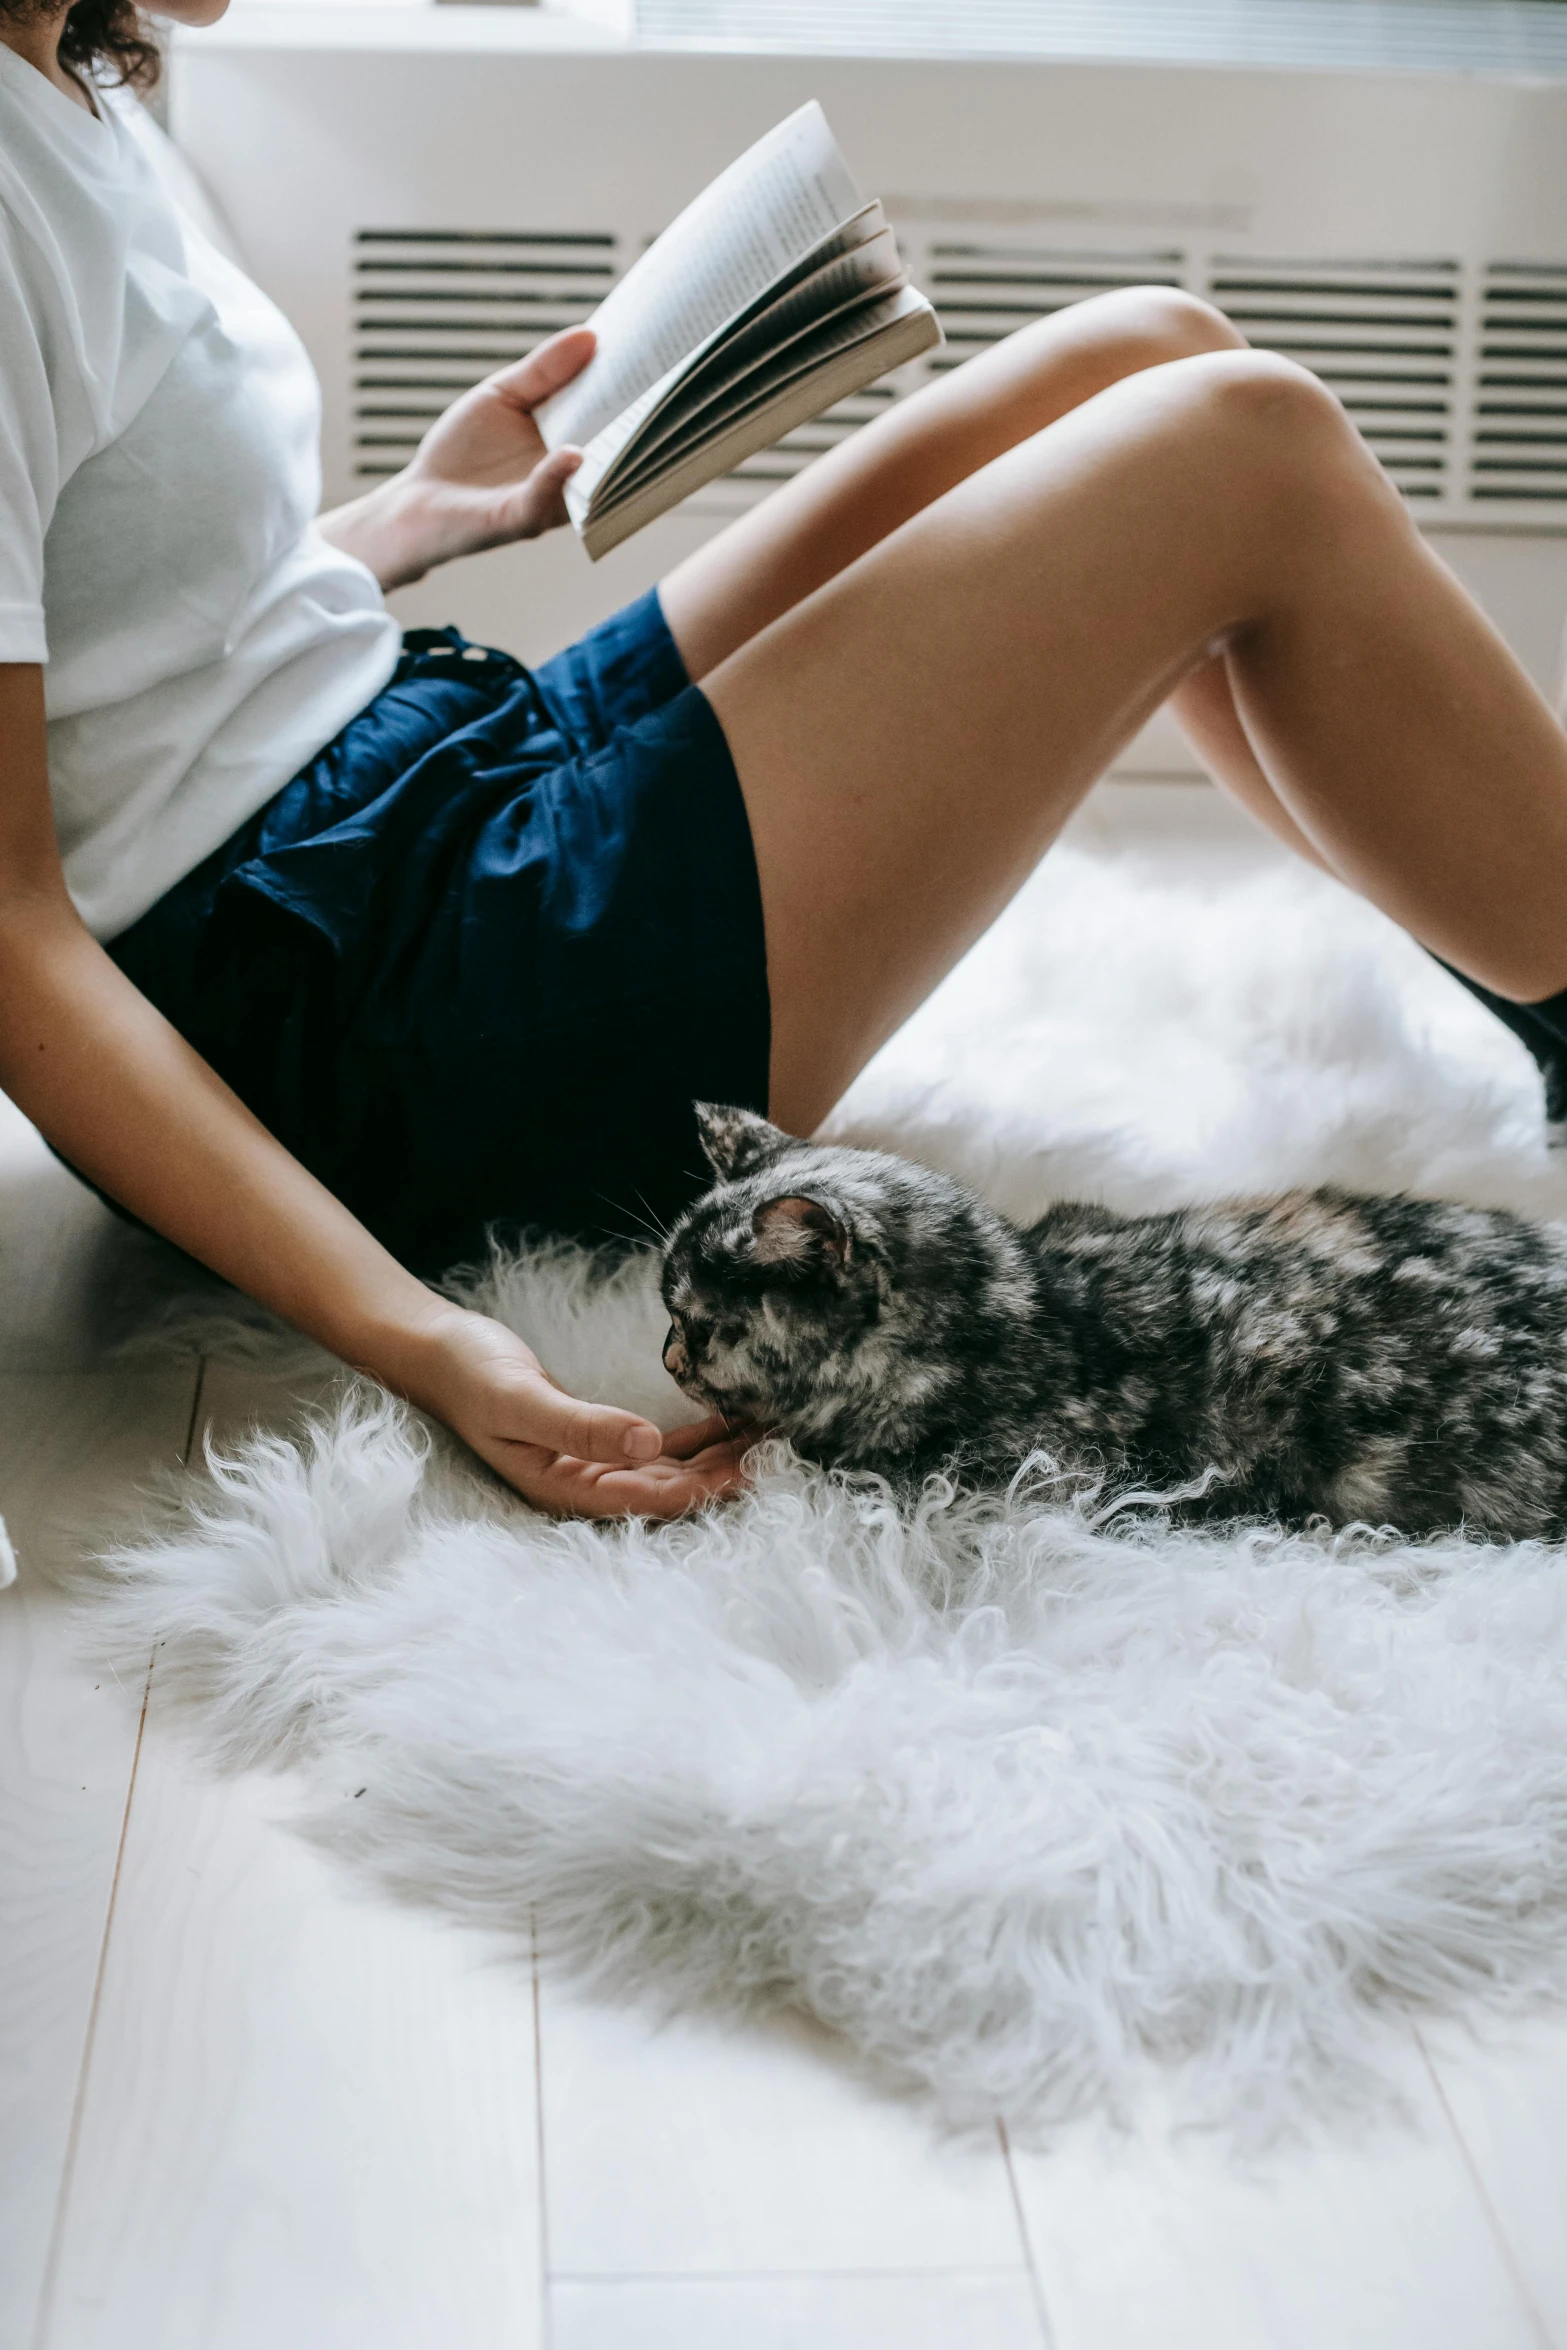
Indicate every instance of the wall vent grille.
{"type": "Point", "coordinates": [1384, 335]}
{"type": "Point", "coordinates": [1518, 440]}
{"type": "Point", "coordinates": [1456, 374]}
{"type": "Point", "coordinates": [982, 292]}
{"type": "Point", "coordinates": [434, 310]}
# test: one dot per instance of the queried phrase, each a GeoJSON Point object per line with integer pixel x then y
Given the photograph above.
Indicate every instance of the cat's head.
{"type": "Point", "coordinates": [836, 1295]}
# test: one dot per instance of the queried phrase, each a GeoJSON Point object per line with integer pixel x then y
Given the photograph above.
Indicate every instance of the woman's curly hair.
{"type": "Point", "coordinates": [104, 37]}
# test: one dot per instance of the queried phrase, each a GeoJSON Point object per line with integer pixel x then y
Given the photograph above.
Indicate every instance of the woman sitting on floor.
{"type": "Point", "coordinates": [324, 950]}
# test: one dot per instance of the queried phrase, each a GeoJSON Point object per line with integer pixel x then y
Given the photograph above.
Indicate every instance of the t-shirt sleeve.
{"type": "Point", "coordinates": [29, 457]}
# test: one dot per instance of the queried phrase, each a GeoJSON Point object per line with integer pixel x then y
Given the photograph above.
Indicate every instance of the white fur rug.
{"type": "Point", "coordinates": [1020, 1802]}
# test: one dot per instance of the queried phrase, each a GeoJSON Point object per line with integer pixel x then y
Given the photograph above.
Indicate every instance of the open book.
{"type": "Point", "coordinates": [776, 293]}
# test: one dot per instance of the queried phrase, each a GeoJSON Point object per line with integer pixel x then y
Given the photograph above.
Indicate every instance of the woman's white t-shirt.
{"type": "Point", "coordinates": [159, 472]}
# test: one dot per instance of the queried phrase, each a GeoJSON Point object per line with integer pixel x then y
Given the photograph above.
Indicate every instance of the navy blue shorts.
{"type": "Point", "coordinates": [475, 963]}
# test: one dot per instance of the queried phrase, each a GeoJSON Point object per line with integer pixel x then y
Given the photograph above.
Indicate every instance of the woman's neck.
{"type": "Point", "coordinates": [37, 39]}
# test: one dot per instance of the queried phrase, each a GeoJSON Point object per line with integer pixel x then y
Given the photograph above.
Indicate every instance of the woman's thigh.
{"type": "Point", "coordinates": [922, 447]}
{"type": "Point", "coordinates": [911, 736]}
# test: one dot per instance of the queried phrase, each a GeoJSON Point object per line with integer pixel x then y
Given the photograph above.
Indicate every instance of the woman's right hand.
{"type": "Point", "coordinates": [573, 1459]}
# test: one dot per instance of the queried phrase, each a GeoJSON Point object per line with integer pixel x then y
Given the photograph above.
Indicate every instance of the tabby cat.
{"type": "Point", "coordinates": [1322, 1354]}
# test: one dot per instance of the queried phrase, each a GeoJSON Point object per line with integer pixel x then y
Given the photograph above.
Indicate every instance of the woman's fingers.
{"type": "Point", "coordinates": [568, 1485]}
{"type": "Point", "coordinates": [554, 471]}
{"type": "Point", "coordinates": [666, 1489]}
{"type": "Point", "coordinates": [554, 363]}
{"type": "Point", "coordinates": [681, 1443]}
{"type": "Point", "coordinates": [589, 1432]}
{"type": "Point", "coordinates": [535, 504]}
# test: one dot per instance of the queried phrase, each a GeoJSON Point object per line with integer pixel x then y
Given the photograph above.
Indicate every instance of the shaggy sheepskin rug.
{"type": "Point", "coordinates": [1024, 1796]}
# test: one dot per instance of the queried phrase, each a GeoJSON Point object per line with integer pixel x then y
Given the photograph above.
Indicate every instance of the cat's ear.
{"type": "Point", "coordinates": [737, 1142]}
{"type": "Point", "coordinates": [800, 1232]}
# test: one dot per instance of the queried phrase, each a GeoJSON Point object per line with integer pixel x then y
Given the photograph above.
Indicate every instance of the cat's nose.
{"type": "Point", "coordinates": [676, 1361]}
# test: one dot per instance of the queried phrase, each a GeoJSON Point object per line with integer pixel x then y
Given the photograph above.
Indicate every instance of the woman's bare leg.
{"type": "Point", "coordinates": [1205, 706]}
{"type": "Point", "coordinates": [807, 532]}
{"type": "Point", "coordinates": [911, 736]}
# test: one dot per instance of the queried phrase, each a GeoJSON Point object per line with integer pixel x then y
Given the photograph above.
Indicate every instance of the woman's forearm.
{"type": "Point", "coordinates": [384, 531]}
{"type": "Point", "coordinates": [120, 1093]}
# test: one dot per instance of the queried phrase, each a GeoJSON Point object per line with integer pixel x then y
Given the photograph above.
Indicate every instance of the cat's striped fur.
{"type": "Point", "coordinates": [1394, 1360]}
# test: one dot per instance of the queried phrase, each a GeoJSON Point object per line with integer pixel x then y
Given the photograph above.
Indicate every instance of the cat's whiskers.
{"type": "Point", "coordinates": [657, 1230]}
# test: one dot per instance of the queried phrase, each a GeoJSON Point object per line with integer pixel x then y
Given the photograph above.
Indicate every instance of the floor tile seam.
{"type": "Point", "coordinates": [43, 2322]}
{"type": "Point", "coordinates": [546, 2281]}
{"type": "Point", "coordinates": [1489, 2212]}
{"type": "Point", "coordinates": [786, 2276]}
{"type": "Point", "coordinates": [1047, 2331]}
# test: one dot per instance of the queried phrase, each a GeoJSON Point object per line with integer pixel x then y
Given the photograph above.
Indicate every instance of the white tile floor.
{"type": "Point", "coordinates": [242, 2105]}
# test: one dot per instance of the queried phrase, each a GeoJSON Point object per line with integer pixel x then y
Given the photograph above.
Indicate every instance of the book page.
{"type": "Point", "coordinates": [645, 416]}
{"type": "Point", "coordinates": [614, 470]}
{"type": "Point", "coordinates": [756, 220]}
{"type": "Point", "coordinates": [910, 329]}
{"type": "Point", "coordinates": [811, 355]}
{"type": "Point", "coordinates": [871, 269]}
{"type": "Point", "coordinates": [605, 447]}
{"type": "Point", "coordinates": [691, 378]}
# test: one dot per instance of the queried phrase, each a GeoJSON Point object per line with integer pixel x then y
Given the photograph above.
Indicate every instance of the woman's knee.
{"type": "Point", "coordinates": [1150, 325]}
{"type": "Point", "coordinates": [1266, 418]}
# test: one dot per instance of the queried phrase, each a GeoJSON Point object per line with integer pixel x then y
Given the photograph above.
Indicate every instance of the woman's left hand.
{"type": "Point", "coordinates": [570, 1458]}
{"type": "Point", "coordinates": [481, 477]}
